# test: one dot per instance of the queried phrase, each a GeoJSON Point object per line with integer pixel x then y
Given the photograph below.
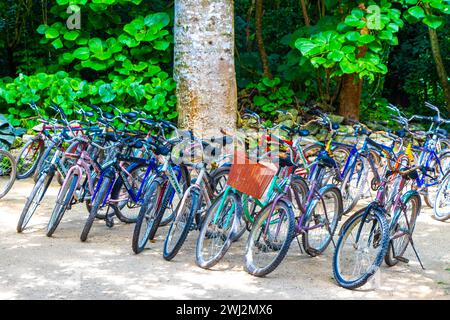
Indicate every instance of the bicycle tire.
{"type": "Point", "coordinates": [23, 152]}
{"type": "Point", "coordinates": [8, 169]}
{"type": "Point", "coordinates": [226, 236]}
{"type": "Point", "coordinates": [149, 210]}
{"type": "Point", "coordinates": [445, 184]}
{"type": "Point", "coordinates": [46, 156]}
{"type": "Point", "coordinates": [98, 201]}
{"type": "Point", "coordinates": [429, 199]}
{"type": "Point", "coordinates": [190, 208]}
{"type": "Point", "coordinates": [39, 189]}
{"type": "Point", "coordinates": [306, 236]}
{"type": "Point", "coordinates": [383, 243]}
{"type": "Point", "coordinates": [185, 176]}
{"type": "Point", "coordinates": [389, 258]}
{"type": "Point", "coordinates": [254, 240]}
{"type": "Point", "coordinates": [63, 200]}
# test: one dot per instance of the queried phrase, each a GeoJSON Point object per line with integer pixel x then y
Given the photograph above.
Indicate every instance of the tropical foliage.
{"type": "Point", "coordinates": [121, 56]}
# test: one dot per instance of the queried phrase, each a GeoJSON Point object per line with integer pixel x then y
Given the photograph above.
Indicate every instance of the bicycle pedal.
{"type": "Point", "coordinates": [192, 227]}
{"type": "Point", "coordinates": [402, 259]}
{"type": "Point", "coordinates": [314, 251]}
{"type": "Point", "coordinates": [109, 222]}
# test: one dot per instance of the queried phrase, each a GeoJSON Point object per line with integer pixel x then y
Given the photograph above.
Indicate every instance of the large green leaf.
{"type": "Point", "coordinates": [433, 21]}
{"type": "Point", "coordinates": [417, 12]}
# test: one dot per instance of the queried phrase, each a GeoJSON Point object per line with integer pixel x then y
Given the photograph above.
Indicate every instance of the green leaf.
{"type": "Point", "coordinates": [417, 12]}
{"type": "Point", "coordinates": [271, 82]}
{"type": "Point", "coordinates": [347, 66]}
{"type": "Point", "coordinates": [336, 56]}
{"type": "Point", "coordinates": [386, 35]}
{"type": "Point", "coordinates": [348, 49]}
{"type": "Point", "coordinates": [51, 33]}
{"type": "Point", "coordinates": [81, 53]}
{"type": "Point", "coordinates": [366, 38]}
{"type": "Point", "coordinates": [106, 93]}
{"type": "Point", "coordinates": [353, 36]}
{"type": "Point", "coordinates": [316, 61]}
{"type": "Point", "coordinates": [161, 45]}
{"type": "Point", "coordinates": [71, 35]}
{"type": "Point", "coordinates": [433, 21]}
{"type": "Point", "coordinates": [42, 28]}
{"type": "Point", "coordinates": [260, 101]}
{"type": "Point", "coordinates": [57, 44]}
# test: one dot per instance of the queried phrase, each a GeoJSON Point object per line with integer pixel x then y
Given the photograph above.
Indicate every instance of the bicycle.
{"type": "Point", "coordinates": [368, 237]}
{"type": "Point", "coordinates": [190, 212]}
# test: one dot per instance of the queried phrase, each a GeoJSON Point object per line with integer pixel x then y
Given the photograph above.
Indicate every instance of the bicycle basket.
{"type": "Point", "coordinates": [250, 177]}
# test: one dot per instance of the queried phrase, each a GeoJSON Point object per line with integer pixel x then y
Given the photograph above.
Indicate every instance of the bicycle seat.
{"type": "Point", "coordinates": [108, 116]}
{"type": "Point", "coordinates": [89, 113]}
{"type": "Point", "coordinates": [158, 148]}
{"type": "Point", "coordinates": [303, 133]}
{"type": "Point", "coordinates": [401, 133]}
{"type": "Point", "coordinates": [130, 115]}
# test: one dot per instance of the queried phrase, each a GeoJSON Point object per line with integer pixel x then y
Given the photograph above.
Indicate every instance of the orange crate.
{"type": "Point", "coordinates": [249, 177]}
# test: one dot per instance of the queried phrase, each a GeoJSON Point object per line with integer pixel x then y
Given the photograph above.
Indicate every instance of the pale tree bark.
{"type": "Point", "coordinates": [204, 65]}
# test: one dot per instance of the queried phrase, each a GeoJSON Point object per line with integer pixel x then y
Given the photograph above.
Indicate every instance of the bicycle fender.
{"type": "Point", "coordinates": [405, 197]}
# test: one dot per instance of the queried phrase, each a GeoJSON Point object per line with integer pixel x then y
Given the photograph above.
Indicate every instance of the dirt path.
{"type": "Point", "coordinates": [33, 266]}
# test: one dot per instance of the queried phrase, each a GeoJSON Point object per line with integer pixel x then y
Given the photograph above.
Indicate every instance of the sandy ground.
{"type": "Point", "coordinates": [33, 266]}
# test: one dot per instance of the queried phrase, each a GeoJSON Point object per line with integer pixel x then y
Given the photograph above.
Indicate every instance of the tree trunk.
{"type": "Point", "coordinates": [350, 96]}
{"type": "Point", "coordinates": [204, 65]}
{"type": "Point", "coordinates": [351, 86]}
{"type": "Point", "coordinates": [442, 73]}
{"type": "Point", "coordinates": [305, 13]}
{"type": "Point", "coordinates": [259, 39]}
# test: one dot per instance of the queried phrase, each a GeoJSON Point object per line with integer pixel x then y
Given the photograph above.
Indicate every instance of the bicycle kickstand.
{"type": "Point", "coordinates": [415, 252]}
{"type": "Point", "coordinates": [299, 244]}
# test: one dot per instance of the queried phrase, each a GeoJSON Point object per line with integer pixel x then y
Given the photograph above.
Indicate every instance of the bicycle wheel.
{"type": "Point", "coordinates": [403, 227]}
{"type": "Point", "coordinates": [438, 175]}
{"type": "Point", "coordinates": [28, 158]}
{"type": "Point", "coordinates": [353, 183]}
{"type": "Point", "coordinates": [96, 205]}
{"type": "Point", "coordinates": [322, 216]}
{"type": "Point", "coordinates": [33, 201]}
{"type": "Point", "coordinates": [269, 239]}
{"type": "Point", "coordinates": [171, 200]}
{"type": "Point", "coordinates": [217, 231]}
{"type": "Point", "coordinates": [297, 194]}
{"type": "Point", "coordinates": [127, 210]}
{"type": "Point", "coordinates": [45, 161]}
{"type": "Point", "coordinates": [181, 224]}
{"type": "Point", "coordinates": [219, 178]}
{"type": "Point", "coordinates": [7, 172]}
{"type": "Point", "coordinates": [441, 207]}
{"type": "Point", "coordinates": [361, 247]}
{"type": "Point", "coordinates": [63, 201]}
{"type": "Point", "coordinates": [147, 216]}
